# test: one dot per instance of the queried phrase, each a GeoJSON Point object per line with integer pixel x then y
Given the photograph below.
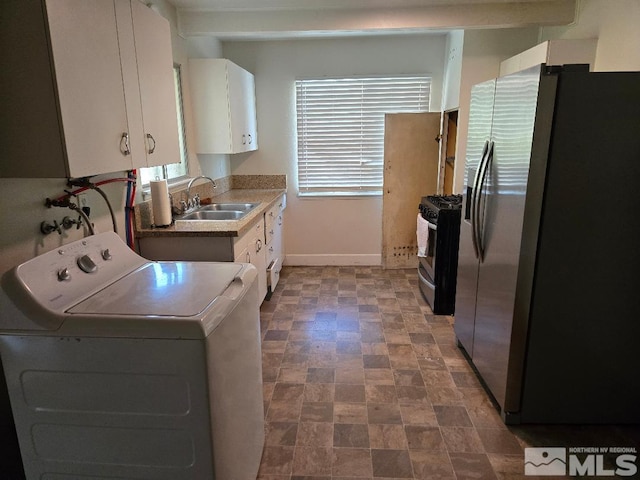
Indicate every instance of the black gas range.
{"type": "Point", "coordinates": [437, 269]}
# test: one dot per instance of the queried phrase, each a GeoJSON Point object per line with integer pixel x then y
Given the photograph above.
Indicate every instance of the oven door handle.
{"type": "Point", "coordinates": [480, 221]}
{"type": "Point", "coordinates": [474, 200]}
{"type": "Point", "coordinates": [423, 279]}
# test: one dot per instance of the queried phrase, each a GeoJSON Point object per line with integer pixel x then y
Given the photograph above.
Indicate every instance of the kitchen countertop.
{"type": "Point", "coordinates": [220, 228]}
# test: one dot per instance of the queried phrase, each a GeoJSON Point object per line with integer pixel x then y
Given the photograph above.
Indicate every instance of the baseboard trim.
{"type": "Point", "coordinates": [307, 260]}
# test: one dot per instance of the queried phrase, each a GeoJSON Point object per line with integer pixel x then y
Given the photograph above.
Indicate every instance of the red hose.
{"type": "Point", "coordinates": [129, 201]}
{"type": "Point", "coordinates": [103, 182]}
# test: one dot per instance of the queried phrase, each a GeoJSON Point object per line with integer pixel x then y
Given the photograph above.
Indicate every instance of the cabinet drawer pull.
{"type": "Point", "coordinates": [152, 148]}
{"type": "Point", "coordinates": [124, 140]}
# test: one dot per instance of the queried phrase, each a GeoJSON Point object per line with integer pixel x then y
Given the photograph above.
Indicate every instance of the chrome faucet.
{"type": "Point", "coordinates": [195, 201]}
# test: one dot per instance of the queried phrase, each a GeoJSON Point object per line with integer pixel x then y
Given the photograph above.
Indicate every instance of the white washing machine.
{"type": "Point", "coordinates": [118, 367]}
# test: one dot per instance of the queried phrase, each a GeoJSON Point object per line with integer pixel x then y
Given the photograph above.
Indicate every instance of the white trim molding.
{"type": "Point", "coordinates": [343, 260]}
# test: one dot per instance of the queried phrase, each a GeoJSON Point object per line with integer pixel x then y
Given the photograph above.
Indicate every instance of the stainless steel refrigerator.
{"type": "Point", "coordinates": [548, 295]}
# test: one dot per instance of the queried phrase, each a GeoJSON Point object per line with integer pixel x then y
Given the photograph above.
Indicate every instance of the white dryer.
{"type": "Point", "coordinates": [118, 367]}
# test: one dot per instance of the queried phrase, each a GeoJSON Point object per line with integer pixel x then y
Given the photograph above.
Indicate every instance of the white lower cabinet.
{"type": "Point", "coordinates": [250, 248]}
{"type": "Point", "coordinates": [261, 245]}
{"type": "Point", "coordinates": [273, 221]}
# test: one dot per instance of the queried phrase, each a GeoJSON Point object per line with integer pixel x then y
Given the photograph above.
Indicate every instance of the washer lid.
{"type": "Point", "coordinates": [166, 289]}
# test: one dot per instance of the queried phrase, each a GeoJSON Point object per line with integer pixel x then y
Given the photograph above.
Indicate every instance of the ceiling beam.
{"type": "Point", "coordinates": [291, 23]}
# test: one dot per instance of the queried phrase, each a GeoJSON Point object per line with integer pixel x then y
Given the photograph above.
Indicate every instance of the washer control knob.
{"type": "Point", "coordinates": [106, 254]}
{"type": "Point", "coordinates": [86, 264]}
{"type": "Point", "coordinates": [63, 275]}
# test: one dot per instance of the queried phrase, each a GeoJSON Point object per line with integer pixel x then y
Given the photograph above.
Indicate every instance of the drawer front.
{"type": "Point", "coordinates": [271, 216]}
{"type": "Point", "coordinates": [271, 231]}
{"type": "Point", "coordinates": [282, 202]}
{"type": "Point", "coordinates": [273, 273]}
{"type": "Point", "coordinates": [276, 210]}
{"type": "Point", "coordinates": [274, 247]}
{"type": "Point", "coordinates": [254, 233]}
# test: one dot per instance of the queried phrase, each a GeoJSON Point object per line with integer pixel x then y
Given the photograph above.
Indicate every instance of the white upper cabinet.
{"type": "Point", "coordinates": [552, 52]}
{"type": "Point", "coordinates": [157, 88]}
{"type": "Point", "coordinates": [224, 106]}
{"type": "Point", "coordinates": [90, 89]}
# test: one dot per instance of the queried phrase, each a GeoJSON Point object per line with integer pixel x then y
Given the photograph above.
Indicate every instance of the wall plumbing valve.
{"type": "Point", "coordinates": [68, 222]}
{"type": "Point", "coordinates": [46, 228]}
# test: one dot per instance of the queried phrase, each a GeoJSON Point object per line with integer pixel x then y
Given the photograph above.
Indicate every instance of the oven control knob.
{"type": "Point", "coordinates": [86, 264]}
{"type": "Point", "coordinates": [106, 254]}
{"type": "Point", "coordinates": [63, 275]}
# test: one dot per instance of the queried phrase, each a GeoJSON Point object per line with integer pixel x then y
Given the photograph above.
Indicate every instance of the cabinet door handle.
{"type": "Point", "coordinates": [124, 144]}
{"type": "Point", "coordinates": [248, 257]}
{"type": "Point", "coordinates": [250, 139]}
{"type": "Point", "coordinates": [258, 245]}
{"type": "Point", "coordinates": [271, 231]}
{"type": "Point", "coordinates": [244, 139]}
{"type": "Point", "coordinates": [271, 249]}
{"type": "Point", "coordinates": [280, 220]}
{"type": "Point", "coordinates": [152, 148]}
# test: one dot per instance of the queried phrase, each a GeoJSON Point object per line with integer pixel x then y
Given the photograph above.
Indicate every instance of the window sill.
{"type": "Point", "coordinates": [338, 195]}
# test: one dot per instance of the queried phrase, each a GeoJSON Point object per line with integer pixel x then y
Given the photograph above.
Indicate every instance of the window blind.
{"type": "Point", "coordinates": [340, 126]}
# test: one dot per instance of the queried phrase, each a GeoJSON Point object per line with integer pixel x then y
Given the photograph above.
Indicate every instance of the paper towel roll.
{"type": "Point", "coordinates": [160, 204]}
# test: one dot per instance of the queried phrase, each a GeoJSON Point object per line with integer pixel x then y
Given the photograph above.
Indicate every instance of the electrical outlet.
{"type": "Point", "coordinates": [82, 200]}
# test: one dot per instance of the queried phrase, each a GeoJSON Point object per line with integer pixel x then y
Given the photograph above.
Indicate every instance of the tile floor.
{"type": "Point", "coordinates": [362, 380]}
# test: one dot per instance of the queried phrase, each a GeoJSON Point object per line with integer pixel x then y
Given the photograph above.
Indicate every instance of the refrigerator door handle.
{"type": "Point", "coordinates": [474, 195]}
{"type": "Point", "coordinates": [482, 173]}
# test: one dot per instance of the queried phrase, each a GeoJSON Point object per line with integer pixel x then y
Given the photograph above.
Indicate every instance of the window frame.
{"type": "Point", "coordinates": [424, 84]}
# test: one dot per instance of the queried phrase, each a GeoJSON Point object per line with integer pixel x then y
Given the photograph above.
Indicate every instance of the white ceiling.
{"type": "Point", "coordinates": [270, 5]}
{"type": "Point", "coordinates": [277, 19]}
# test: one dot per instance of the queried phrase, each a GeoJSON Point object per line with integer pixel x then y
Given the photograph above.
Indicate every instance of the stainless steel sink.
{"type": "Point", "coordinates": [213, 215]}
{"type": "Point", "coordinates": [219, 211]}
{"type": "Point", "coordinates": [242, 207]}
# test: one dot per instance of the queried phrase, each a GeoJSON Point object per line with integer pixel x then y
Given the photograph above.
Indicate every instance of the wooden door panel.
{"type": "Point", "coordinates": [411, 154]}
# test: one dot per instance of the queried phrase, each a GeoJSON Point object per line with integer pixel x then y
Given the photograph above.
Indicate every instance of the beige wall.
{"type": "Point", "coordinates": [324, 230]}
{"type": "Point", "coordinates": [616, 25]}
{"type": "Point", "coordinates": [22, 209]}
